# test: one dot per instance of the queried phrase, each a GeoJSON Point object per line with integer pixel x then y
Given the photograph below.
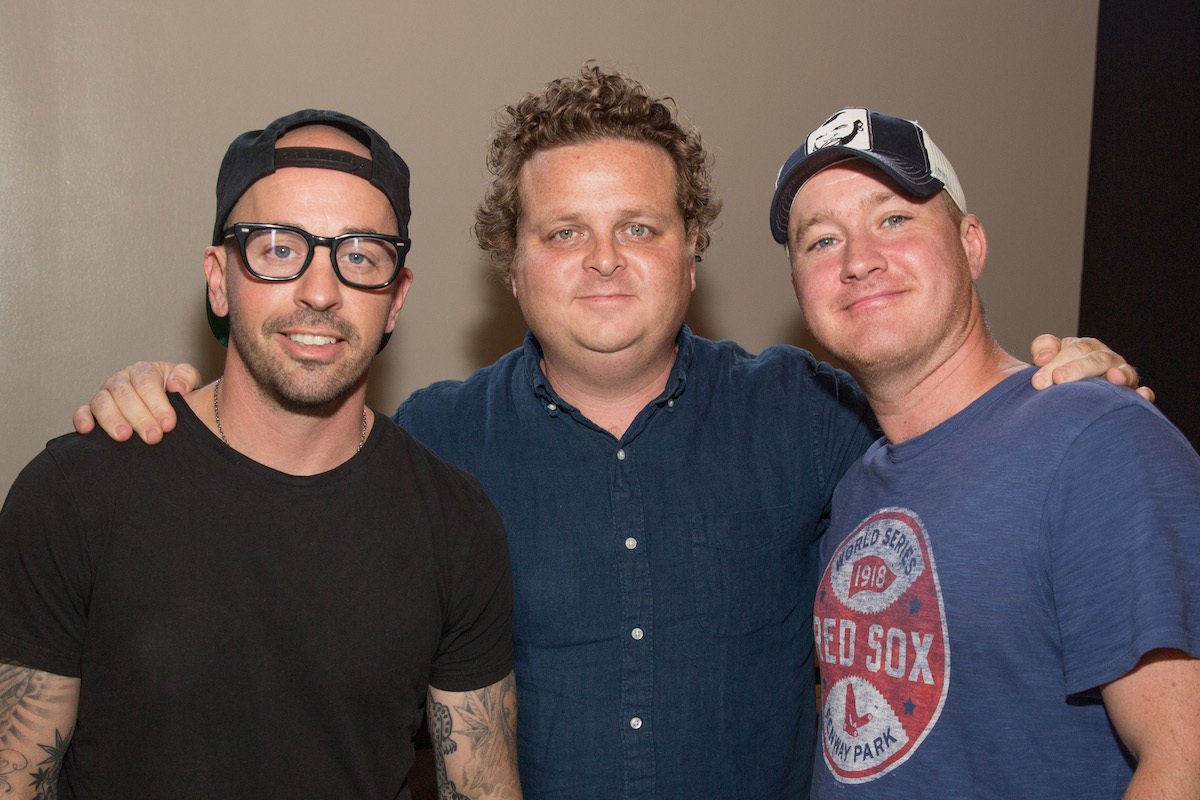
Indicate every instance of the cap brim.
{"type": "Point", "coordinates": [781, 204]}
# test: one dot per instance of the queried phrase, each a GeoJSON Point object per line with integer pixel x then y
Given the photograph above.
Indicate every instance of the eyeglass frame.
{"type": "Point", "coordinates": [241, 231]}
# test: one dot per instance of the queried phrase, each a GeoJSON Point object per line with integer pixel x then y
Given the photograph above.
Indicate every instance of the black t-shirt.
{"type": "Point", "coordinates": [240, 632]}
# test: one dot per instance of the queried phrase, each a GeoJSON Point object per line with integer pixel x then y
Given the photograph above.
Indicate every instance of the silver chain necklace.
{"type": "Point", "coordinates": [362, 439]}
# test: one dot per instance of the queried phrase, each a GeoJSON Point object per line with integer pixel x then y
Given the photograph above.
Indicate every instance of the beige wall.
{"type": "Point", "coordinates": [114, 117]}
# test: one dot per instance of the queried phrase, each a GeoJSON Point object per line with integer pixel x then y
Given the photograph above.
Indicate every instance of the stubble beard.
{"type": "Point", "coordinates": [300, 386]}
{"type": "Point", "coordinates": [874, 354]}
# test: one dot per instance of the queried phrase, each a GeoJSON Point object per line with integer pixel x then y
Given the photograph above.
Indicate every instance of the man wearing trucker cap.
{"type": "Point", "coordinates": [261, 606]}
{"type": "Point", "coordinates": [1010, 597]}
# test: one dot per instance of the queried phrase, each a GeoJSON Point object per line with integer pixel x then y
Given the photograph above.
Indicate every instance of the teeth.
{"type": "Point", "coordinates": [309, 339]}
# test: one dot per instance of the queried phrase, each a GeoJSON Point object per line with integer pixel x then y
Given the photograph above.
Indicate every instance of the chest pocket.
{"type": "Point", "coordinates": [747, 569]}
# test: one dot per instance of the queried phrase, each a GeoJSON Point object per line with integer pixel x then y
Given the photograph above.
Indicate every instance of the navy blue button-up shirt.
{"type": "Point", "coordinates": [663, 581]}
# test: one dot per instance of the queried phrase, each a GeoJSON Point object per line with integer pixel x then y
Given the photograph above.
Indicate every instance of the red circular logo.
{"type": "Point", "coordinates": [880, 629]}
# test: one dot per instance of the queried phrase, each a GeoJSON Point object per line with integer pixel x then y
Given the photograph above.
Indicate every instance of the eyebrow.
{"type": "Point", "coordinates": [345, 230]}
{"type": "Point", "coordinates": [876, 198]}
{"type": "Point", "coordinates": [804, 227]}
{"type": "Point", "coordinates": [575, 217]}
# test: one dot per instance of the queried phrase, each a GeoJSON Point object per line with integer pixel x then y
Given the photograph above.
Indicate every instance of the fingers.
{"type": "Point", "coordinates": [1089, 358]}
{"type": "Point", "coordinates": [1080, 358]}
{"type": "Point", "coordinates": [119, 410]}
{"type": "Point", "coordinates": [154, 414]}
{"type": "Point", "coordinates": [106, 413]}
{"type": "Point", "coordinates": [182, 378]}
{"type": "Point", "coordinates": [1125, 375]}
{"type": "Point", "coordinates": [1046, 347]}
{"type": "Point", "coordinates": [83, 420]}
{"type": "Point", "coordinates": [1122, 374]}
{"type": "Point", "coordinates": [1074, 358]}
{"type": "Point", "coordinates": [132, 401]}
{"type": "Point", "coordinates": [1046, 351]}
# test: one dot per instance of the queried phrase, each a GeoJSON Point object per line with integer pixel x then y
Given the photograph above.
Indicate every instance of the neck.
{"type": "Point", "coordinates": [611, 388]}
{"type": "Point", "coordinates": [296, 442]}
{"type": "Point", "coordinates": [911, 401]}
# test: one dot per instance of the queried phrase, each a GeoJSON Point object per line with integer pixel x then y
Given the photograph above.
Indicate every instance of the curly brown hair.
{"type": "Point", "coordinates": [595, 105]}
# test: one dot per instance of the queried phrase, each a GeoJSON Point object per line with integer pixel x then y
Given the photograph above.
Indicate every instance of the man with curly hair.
{"type": "Point", "coordinates": [663, 491]}
{"type": "Point", "coordinates": [663, 494]}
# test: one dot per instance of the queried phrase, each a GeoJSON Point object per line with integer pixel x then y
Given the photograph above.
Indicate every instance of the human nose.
{"type": "Point", "coordinates": [860, 257]}
{"type": "Point", "coordinates": [319, 287]}
{"type": "Point", "coordinates": [605, 256]}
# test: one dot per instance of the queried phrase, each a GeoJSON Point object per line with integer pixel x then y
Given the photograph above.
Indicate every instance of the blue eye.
{"type": "Point", "coordinates": [893, 219]}
{"type": "Point", "coordinates": [370, 260]}
{"type": "Point", "coordinates": [638, 230]}
{"type": "Point", "coordinates": [563, 235]}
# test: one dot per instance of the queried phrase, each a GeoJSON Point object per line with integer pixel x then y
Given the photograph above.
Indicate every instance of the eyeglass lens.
{"type": "Point", "coordinates": [282, 254]}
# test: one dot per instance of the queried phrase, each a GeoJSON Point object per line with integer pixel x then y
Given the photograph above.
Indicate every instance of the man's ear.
{"type": "Point", "coordinates": [974, 243]}
{"type": "Point", "coordinates": [693, 235]}
{"type": "Point", "coordinates": [399, 292]}
{"type": "Point", "coordinates": [215, 264]}
{"type": "Point", "coordinates": [512, 273]}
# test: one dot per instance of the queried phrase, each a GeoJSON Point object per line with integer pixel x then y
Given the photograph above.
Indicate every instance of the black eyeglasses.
{"type": "Point", "coordinates": [282, 253]}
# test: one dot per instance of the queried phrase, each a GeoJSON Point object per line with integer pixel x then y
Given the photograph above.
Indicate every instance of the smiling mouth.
{"type": "Point", "coordinates": [871, 299]}
{"type": "Point", "coordinates": [609, 296]}
{"type": "Point", "coordinates": [312, 339]}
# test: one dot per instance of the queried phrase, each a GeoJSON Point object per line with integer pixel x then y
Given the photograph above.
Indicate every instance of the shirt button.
{"type": "Point", "coordinates": [621, 455]}
{"type": "Point", "coordinates": [670, 404]}
{"type": "Point", "coordinates": [637, 634]}
{"type": "Point", "coordinates": [551, 407]}
{"type": "Point", "coordinates": [630, 543]}
{"type": "Point", "coordinates": [635, 723]}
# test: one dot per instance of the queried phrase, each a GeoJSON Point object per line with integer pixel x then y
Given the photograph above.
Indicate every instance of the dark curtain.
{"type": "Point", "coordinates": [1141, 272]}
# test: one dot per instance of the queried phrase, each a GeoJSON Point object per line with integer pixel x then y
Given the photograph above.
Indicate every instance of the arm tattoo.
{"type": "Point", "coordinates": [489, 717]}
{"type": "Point", "coordinates": [26, 698]}
{"type": "Point", "coordinates": [440, 728]}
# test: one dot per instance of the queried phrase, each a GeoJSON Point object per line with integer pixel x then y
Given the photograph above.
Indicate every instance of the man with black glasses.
{"type": "Point", "coordinates": [307, 574]}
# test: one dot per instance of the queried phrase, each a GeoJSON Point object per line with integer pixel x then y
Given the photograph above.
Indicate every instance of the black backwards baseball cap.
{"type": "Point", "coordinates": [899, 147]}
{"type": "Point", "coordinates": [253, 156]}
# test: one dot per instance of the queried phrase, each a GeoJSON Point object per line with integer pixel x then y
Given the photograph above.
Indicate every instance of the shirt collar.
{"type": "Point", "coordinates": [531, 351]}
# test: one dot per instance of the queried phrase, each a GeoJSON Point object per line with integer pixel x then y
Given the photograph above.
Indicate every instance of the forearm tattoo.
{"type": "Point", "coordinates": [440, 728]}
{"type": "Point", "coordinates": [488, 731]}
{"type": "Point", "coordinates": [26, 698]}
